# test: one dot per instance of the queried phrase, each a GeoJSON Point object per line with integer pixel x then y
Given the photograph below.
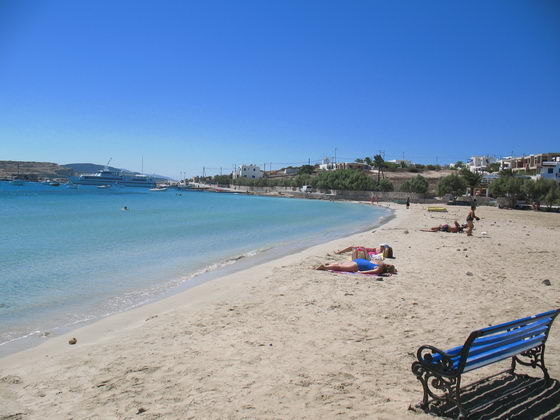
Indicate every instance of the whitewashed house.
{"type": "Point", "coordinates": [550, 170]}
{"type": "Point", "coordinates": [479, 163]}
{"type": "Point", "coordinates": [327, 165]}
{"type": "Point", "coordinates": [248, 171]}
{"type": "Point", "coordinates": [401, 162]}
{"type": "Point", "coordinates": [290, 171]}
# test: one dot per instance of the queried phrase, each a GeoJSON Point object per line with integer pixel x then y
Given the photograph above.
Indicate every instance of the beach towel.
{"type": "Point", "coordinates": [363, 274]}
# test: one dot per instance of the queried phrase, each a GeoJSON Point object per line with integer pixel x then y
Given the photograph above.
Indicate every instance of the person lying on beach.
{"type": "Point", "coordinates": [455, 228]}
{"type": "Point", "coordinates": [368, 250]}
{"type": "Point", "coordinates": [359, 265]}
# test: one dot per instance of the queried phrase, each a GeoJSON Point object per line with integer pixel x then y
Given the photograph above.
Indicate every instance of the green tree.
{"type": "Point", "coordinates": [538, 191]}
{"type": "Point", "coordinates": [459, 164]}
{"type": "Point", "coordinates": [451, 184]}
{"type": "Point", "coordinates": [493, 167]}
{"type": "Point", "coordinates": [379, 164]}
{"type": "Point", "coordinates": [552, 196]}
{"type": "Point", "coordinates": [306, 169]}
{"type": "Point", "coordinates": [368, 161]}
{"type": "Point", "coordinates": [418, 184]}
{"type": "Point", "coordinates": [359, 160]}
{"type": "Point", "coordinates": [222, 179]}
{"type": "Point", "coordinates": [472, 179]}
{"type": "Point", "coordinates": [385, 185]}
{"type": "Point", "coordinates": [508, 186]}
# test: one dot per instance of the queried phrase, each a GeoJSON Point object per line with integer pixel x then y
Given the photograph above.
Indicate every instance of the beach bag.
{"type": "Point", "coordinates": [388, 252]}
{"type": "Point", "coordinates": [361, 253]}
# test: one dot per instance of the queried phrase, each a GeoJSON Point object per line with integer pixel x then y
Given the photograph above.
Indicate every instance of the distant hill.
{"type": "Point", "coordinates": [88, 168]}
{"type": "Point", "coordinates": [32, 170]}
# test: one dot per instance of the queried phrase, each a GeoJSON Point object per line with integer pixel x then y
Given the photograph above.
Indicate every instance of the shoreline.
{"type": "Point", "coordinates": [195, 280]}
{"type": "Point", "coordinates": [281, 340]}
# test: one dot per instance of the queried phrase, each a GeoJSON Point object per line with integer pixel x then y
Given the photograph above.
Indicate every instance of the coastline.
{"type": "Point", "coordinates": [221, 274]}
{"type": "Point", "coordinates": [281, 340]}
{"type": "Point", "coordinates": [210, 272]}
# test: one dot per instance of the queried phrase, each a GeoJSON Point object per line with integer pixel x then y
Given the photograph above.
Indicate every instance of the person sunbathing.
{"type": "Point", "coordinates": [368, 250]}
{"type": "Point", "coordinates": [455, 228]}
{"type": "Point", "coordinates": [359, 265]}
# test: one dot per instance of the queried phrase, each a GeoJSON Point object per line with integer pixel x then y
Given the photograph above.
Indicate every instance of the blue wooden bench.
{"type": "Point", "coordinates": [440, 371]}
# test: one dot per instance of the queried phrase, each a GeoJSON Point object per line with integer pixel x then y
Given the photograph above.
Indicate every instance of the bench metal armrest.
{"type": "Point", "coordinates": [436, 360]}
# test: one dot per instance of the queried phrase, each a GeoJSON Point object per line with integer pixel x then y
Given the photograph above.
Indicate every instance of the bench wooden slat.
{"type": "Point", "coordinates": [489, 339]}
{"type": "Point", "coordinates": [504, 341]}
{"type": "Point", "coordinates": [508, 325]}
{"type": "Point", "coordinates": [504, 352]}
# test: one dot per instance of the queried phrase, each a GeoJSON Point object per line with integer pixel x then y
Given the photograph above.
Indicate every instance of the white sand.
{"type": "Point", "coordinates": [282, 340]}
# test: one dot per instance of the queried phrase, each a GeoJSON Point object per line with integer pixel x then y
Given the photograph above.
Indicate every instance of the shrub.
{"type": "Point", "coordinates": [451, 184]}
{"type": "Point", "coordinates": [418, 184]}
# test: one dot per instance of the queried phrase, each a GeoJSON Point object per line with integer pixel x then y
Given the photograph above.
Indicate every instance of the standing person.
{"type": "Point", "coordinates": [470, 220]}
{"type": "Point", "coordinates": [407, 202]}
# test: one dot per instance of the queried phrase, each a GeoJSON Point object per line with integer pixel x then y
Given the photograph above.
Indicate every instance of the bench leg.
{"type": "Point", "coordinates": [513, 365]}
{"type": "Point", "coordinates": [462, 412]}
{"type": "Point", "coordinates": [439, 388]}
{"type": "Point", "coordinates": [537, 360]}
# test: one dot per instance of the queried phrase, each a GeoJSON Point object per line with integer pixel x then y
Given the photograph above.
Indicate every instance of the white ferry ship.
{"type": "Point", "coordinates": [112, 177]}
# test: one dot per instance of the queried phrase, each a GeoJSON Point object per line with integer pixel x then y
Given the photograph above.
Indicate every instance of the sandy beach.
{"type": "Point", "coordinates": [283, 341]}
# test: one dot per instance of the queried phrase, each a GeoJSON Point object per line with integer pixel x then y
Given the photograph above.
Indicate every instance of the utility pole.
{"type": "Point", "coordinates": [335, 155]}
{"type": "Point", "coordinates": [203, 172]}
{"type": "Point", "coordinates": [220, 170]}
{"type": "Point", "coordinates": [309, 161]}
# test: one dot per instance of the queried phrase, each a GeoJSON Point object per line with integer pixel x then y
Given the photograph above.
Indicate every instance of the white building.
{"type": "Point", "coordinates": [327, 165]}
{"type": "Point", "coordinates": [505, 162]}
{"type": "Point", "coordinates": [401, 162]}
{"type": "Point", "coordinates": [550, 170]}
{"type": "Point", "coordinates": [479, 163]}
{"type": "Point", "coordinates": [248, 171]}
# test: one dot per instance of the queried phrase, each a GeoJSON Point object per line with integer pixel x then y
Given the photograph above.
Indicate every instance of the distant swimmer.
{"type": "Point", "coordinates": [125, 208]}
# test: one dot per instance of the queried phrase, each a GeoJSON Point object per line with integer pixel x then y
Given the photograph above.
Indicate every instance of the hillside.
{"type": "Point", "coordinates": [90, 168]}
{"type": "Point", "coordinates": [433, 177]}
{"type": "Point", "coordinates": [33, 170]}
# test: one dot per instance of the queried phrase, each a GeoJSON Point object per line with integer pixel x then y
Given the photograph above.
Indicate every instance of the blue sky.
{"type": "Point", "coordinates": [187, 84]}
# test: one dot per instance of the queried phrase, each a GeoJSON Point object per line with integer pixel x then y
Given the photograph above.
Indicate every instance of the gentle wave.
{"type": "Point", "coordinates": [150, 295]}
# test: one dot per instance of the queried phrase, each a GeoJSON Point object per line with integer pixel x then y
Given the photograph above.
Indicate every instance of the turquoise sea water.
{"type": "Point", "coordinates": [69, 256]}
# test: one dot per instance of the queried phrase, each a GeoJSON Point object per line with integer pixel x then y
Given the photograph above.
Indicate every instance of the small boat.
{"type": "Point", "coordinates": [158, 189]}
{"type": "Point", "coordinates": [54, 184]}
{"type": "Point", "coordinates": [104, 186]}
